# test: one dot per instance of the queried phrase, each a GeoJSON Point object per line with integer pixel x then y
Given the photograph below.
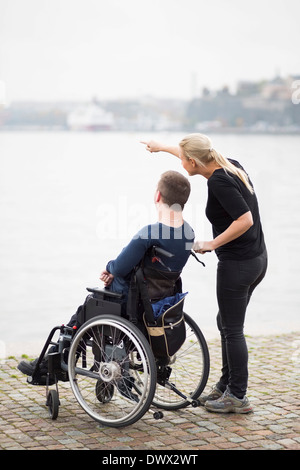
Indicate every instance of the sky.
{"type": "Point", "coordinates": [53, 50]}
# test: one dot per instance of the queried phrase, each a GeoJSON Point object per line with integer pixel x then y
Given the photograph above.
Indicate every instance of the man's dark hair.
{"type": "Point", "coordinates": [174, 188]}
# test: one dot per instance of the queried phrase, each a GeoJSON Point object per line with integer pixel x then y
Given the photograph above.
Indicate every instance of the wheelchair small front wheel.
{"type": "Point", "coordinates": [104, 392]}
{"type": "Point", "coordinates": [112, 371]}
{"type": "Point", "coordinates": [53, 404]}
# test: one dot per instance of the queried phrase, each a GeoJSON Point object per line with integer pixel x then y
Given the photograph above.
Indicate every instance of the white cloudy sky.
{"type": "Point", "coordinates": [76, 49]}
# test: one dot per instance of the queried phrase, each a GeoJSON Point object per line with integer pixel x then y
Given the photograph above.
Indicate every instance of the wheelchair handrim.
{"type": "Point", "coordinates": [147, 392]}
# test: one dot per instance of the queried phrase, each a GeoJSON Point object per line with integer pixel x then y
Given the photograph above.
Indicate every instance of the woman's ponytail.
{"type": "Point", "coordinates": [228, 166]}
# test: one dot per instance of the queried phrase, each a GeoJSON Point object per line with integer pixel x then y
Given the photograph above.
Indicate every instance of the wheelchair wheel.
{"type": "Point", "coordinates": [53, 404]}
{"type": "Point", "coordinates": [112, 371]}
{"type": "Point", "coordinates": [188, 370]}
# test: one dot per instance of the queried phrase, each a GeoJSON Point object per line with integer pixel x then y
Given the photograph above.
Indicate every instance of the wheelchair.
{"type": "Point", "coordinates": [113, 371]}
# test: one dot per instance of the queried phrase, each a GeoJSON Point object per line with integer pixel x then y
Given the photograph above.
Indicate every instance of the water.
{"type": "Point", "coordinates": [69, 202]}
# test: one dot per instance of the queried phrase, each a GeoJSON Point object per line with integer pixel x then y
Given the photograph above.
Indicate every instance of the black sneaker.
{"type": "Point", "coordinates": [28, 367]}
{"type": "Point", "coordinates": [41, 376]}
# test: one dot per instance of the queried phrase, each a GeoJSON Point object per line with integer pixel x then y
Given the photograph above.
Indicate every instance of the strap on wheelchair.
{"type": "Point", "coordinates": [196, 257]}
{"type": "Point", "coordinates": [142, 285]}
{"type": "Point", "coordinates": [132, 301]}
{"type": "Point", "coordinates": [138, 291]}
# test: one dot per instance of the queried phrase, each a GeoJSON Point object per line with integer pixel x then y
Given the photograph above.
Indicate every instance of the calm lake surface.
{"type": "Point", "coordinates": [69, 202]}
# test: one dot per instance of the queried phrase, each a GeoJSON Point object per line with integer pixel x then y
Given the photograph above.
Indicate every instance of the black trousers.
{"type": "Point", "coordinates": [236, 281]}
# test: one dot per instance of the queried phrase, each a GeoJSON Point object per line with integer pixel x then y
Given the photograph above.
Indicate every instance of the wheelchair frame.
{"type": "Point", "coordinates": [119, 379]}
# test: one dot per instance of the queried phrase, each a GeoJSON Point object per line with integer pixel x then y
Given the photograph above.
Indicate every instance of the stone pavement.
{"type": "Point", "coordinates": [274, 390]}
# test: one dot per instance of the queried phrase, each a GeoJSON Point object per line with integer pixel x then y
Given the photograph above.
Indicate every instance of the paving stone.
{"type": "Point", "coordinates": [274, 384]}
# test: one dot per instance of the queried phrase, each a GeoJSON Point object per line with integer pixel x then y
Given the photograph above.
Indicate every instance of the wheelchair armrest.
{"type": "Point", "coordinates": [104, 292]}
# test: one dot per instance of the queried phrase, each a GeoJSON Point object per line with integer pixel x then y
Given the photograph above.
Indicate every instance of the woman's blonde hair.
{"type": "Point", "coordinates": [199, 147]}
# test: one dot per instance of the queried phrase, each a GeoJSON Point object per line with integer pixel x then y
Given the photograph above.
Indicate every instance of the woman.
{"type": "Point", "coordinates": [238, 240]}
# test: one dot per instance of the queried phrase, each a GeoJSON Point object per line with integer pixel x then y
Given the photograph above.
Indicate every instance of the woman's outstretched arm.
{"type": "Point", "coordinates": [153, 146]}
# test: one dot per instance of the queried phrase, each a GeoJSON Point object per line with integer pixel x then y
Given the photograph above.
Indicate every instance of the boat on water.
{"type": "Point", "coordinates": [90, 118]}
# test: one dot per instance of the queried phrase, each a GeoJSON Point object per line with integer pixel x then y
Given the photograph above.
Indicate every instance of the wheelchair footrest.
{"type": "Point", "coordinates": [41, 380]}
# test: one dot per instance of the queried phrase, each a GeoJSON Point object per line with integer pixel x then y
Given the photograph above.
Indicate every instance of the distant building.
{"type": "Point", "coordinates": [90, 118]}
{"type": "Point", "coordinates": [264, 106]}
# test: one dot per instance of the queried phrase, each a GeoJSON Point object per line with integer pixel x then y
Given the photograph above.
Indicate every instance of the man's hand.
{"type": "Point", "coordinates": [106, 277]}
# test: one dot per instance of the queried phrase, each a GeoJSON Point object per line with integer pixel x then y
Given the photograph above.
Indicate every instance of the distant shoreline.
{"type": "Point", "coordinates": [225, 130]}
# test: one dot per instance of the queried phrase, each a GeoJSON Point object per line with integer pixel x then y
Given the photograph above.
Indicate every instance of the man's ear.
{"type": "Point", "coordinates": [157, 196]}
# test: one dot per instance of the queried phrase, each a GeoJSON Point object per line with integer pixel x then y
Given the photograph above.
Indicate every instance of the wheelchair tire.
{"type": "Point", "coordinates": [188, 371]}
{"type": "Point", "coordinates": [53, 404]}
{"type": "Point", "coordinates": [112, 360]}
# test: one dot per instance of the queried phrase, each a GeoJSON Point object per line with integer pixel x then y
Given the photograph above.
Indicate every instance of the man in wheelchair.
{"type": "Point", "coordinates": [171, 234]}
